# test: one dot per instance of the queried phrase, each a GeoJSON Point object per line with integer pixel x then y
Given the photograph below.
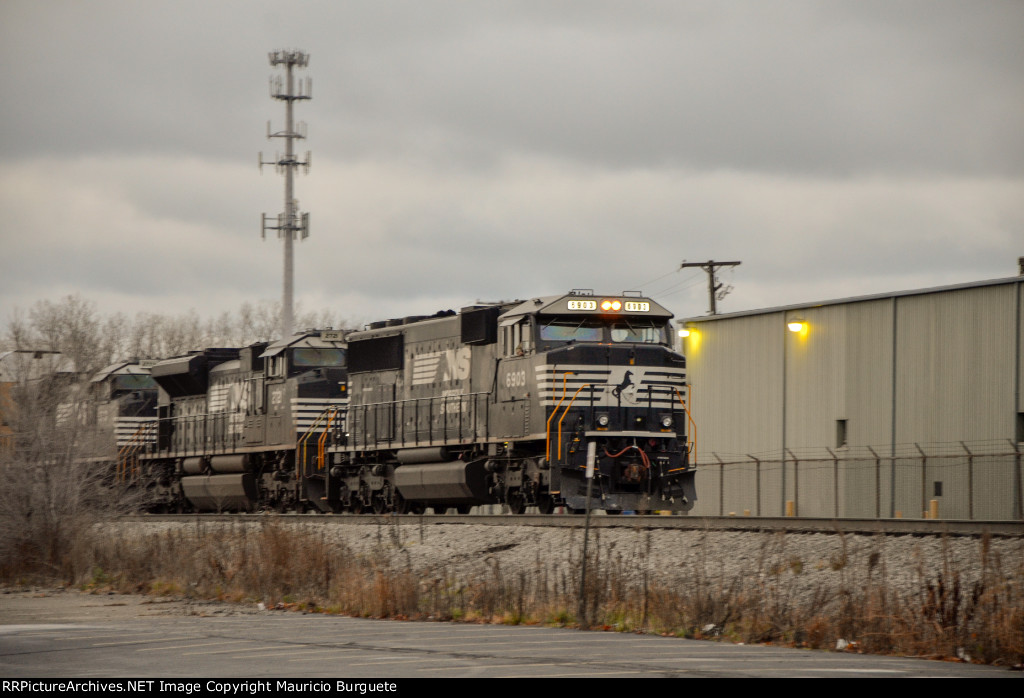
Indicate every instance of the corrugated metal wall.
{"type": "Point", "coordinates": [924, 388]}
{"type": "Point", "coordinates": [955, 356]}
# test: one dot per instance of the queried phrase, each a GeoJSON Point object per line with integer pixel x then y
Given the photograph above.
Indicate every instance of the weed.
{"type": "Point", "coordinates": [298, 569]}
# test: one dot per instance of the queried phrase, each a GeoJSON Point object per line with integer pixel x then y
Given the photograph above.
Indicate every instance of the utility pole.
{"type": "Point", "coordinates": [713, 286]}
{"type": "Point", "coordinates": [291, 225]}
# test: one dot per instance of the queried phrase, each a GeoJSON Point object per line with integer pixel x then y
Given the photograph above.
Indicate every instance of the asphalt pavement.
{"type": "Point", "coordinates": [73, 635]}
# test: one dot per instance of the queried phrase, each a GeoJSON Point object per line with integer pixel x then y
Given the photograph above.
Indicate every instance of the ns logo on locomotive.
{"type": "Point", "coordinates": [496, 404]}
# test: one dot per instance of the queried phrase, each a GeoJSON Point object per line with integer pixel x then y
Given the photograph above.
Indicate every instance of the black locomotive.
{"type": "Point", "coordinates": [112, 414]}
{"type": "Point", "coordinates": [234, 424]}
{"type": "Point", "coordinates": [125, 395]}
{"type": "Point", "coordinates": [501, 403]}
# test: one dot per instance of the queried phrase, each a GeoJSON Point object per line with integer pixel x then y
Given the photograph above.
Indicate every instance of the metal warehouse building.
{"type": "Point", "coordinates": [901, 404]}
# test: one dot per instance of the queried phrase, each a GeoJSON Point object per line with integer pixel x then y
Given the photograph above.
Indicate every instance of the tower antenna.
{"type": "Point", "coordinates": [290, 225]}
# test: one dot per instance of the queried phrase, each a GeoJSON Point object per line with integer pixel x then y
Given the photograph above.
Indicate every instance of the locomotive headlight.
{"type": "Point", "coordinates": [602, 420]}
{"type": "Point", "coordinates": [666, 421]}
{"type": "Point", "coordinates": [611, 304]}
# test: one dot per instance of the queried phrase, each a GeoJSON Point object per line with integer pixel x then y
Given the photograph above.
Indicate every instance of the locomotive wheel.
{"type": "Point", "coordinates": [463, 508]}
{"type": "Point", "coordinates": [439, 510]}
{"type": "Point", "coordinates": [379, 505]}
{"type": "Point", "coordinates": [417, 509]}
{"type": "Point", "coordinates": [516, 503]}
{"type": "Point", "coordinates": [546, 504]}
{"type": "Point", "coordinates": [613, 512]}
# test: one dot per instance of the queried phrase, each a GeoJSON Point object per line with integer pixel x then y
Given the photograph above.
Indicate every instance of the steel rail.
{"type": "Point", "coordinates": [915, 527]}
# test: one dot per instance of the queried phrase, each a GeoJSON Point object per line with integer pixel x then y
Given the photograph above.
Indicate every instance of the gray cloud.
{"type": "Point", "coordinates": [468, 151]}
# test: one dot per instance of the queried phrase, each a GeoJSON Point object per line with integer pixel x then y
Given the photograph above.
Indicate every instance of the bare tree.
{"type": "Point", "coordinates": [58, 475]}
{"type": "Point", "coordinates": [56, 468]}
{"type": "Point", "coordinates": [72, 327]}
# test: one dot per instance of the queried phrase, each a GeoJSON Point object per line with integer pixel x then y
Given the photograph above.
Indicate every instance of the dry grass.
{"type": "Point", "coordinates": [941, 617]}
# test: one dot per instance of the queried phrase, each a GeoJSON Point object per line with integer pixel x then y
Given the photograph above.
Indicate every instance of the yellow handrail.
{"type": "Point", "coordinates": [301, 466]}
{"type": "Point", "coordinates": [321, 443]}
{"type": "Point", "coordinates": [547, 436]}
{"type": "Point", "coordinates": [567, 408]}
{"type": "Point", "coordinates": [693, 424]}
{"type": "Point", "coordinates": [126, 454]}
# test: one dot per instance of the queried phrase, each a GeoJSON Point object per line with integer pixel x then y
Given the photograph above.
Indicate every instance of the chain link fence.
{"type": "Point", "coordinates": [980, 481]}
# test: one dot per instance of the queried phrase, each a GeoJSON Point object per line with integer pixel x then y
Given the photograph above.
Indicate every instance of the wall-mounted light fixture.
{"type": "Point", "coordinates": [689, 338]}
{"type": "Point", "coordinates": [796, 324]}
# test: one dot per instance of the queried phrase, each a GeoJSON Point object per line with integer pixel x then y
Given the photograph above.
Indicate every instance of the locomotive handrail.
{"type": "Point", "coordinates": [304, 439]}
{"type": "Point", "coordinates": [359, 414]}
{"type": "Point", "coordinates": [567, 408]}
{"type": "Point", "coordinates": [689, 417]}
{"type": "Point", "coordinates": [547, 435]}
{"type": "Point", "coordinates": [321, 445]}
{"type": "Point", "coordinates": [201, 434]}
{"type": "Point", "coordinates": [126, 455]}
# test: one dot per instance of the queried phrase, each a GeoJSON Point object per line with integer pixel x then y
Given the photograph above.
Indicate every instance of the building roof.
{"type": "Point", "coordinates": [855, 299]}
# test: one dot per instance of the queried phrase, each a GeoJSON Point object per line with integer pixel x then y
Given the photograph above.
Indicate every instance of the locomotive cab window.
{"type": "Point", "coordinates": [277, 366]}
{"type": "Point", "coordinates": [517, 338]}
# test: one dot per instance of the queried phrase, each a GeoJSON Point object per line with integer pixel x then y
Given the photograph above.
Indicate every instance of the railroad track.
{"type": "Point", "coordinates": [916, 527]}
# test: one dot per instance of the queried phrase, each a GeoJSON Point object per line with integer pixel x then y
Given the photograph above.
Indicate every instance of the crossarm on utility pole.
{"type": "Point", "coordinates": [710, 266]}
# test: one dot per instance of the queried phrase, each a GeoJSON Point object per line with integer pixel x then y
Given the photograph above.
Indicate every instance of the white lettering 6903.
{"type": "Point", "coordinates": [515, 379]}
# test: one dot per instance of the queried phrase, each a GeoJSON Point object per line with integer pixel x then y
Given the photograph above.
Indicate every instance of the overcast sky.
{"type": "Point", "coordinates": [498, 150]}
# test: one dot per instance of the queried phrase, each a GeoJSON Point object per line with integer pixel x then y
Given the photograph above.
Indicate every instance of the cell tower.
{"type": "Point", "coordinates": [291, 225]}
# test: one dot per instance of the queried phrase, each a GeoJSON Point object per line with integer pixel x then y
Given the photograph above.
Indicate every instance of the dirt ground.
{"type": "Point", "coordinates": [25, 606]}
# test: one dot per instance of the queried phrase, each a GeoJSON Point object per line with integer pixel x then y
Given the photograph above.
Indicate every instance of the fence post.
{"type": "Point", "coordinates": [1018, 510]}
{"type": "Point", "coordinates": [835, 483]}
{"type": "Point", "coordinates": [721, 485]}
{"type": "Point", "coordinates": [924, 479]}
{"type": "Point", "coordinates": [970, 482]}
{"type": "Point", "coordinates": [796, 482]}
{"type": "Point", "coordinates": [757, 481]}
{"type": "Point", "coordinates": [878, 484]}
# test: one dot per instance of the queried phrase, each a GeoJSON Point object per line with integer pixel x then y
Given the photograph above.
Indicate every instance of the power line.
{"type": "Point", "coordinates": [686, 283]}
{"type": "Point", "coordinates": [646, 283]}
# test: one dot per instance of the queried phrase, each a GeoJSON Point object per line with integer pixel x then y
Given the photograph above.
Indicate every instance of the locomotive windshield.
{"type": "Point", "coordinates": [618, 330]}
{"type": "Point", "coordinates": [310, 356]}
{"type": "Point", "coordinates": [131, 382]}
{"type": "Point", "coordinates": [572, 329]}
{"type": "Point", "coordinates": [640, 331]}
